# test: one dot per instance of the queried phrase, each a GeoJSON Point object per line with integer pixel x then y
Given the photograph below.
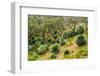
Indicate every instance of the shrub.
{"type": "Point", "coordinates": [80, 40]}
{"type": "Point", "coordinates": [69, 34]}
{"type": "Point", "coordinates": [80, 30]}
{"type": "Point", "coordinates": [51, 40]}
{"type": "Point", "coordinates": [37, 44]}
{"type": "Point", "coordinates": [73, 33]}
{"type": "Point", "coordinates": [53, 56]}
{"type": "Point", "coordinates": [62, 41]}
{"type": "Point", "coordinates": [39, 40]}
{"type": "Point", "coordinates": [32, 40]}
{"type": "Point", "coordinates": [42, 49]}
{"type": "Point", "coordinates": [66, 35]}
{"type": "Point", "coordinates": [66, 52]}
{"type": "Point", "coordinates": [55, 48]}
{"type": "Point", "coordinates": [34, 56]}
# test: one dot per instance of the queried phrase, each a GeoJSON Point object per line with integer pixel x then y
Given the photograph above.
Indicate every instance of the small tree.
{"type": "Point", "coordinates": [66, 52]}
{"type": "Point", "coordinates": [55, 48]}
{"type": "Point", "coordinates": [80, 40]}
{"type": "Point", "coordinates": [80, 30]}
{"type": "Point", "coordinates": [42, 49]}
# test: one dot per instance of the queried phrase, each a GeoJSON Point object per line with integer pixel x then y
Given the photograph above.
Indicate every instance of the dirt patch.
{"type": "Point", "coordinates": [73, 47]}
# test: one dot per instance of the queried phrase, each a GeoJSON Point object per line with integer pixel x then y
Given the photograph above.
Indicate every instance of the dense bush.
{"type": "Point", "coordinates": [73, 33]}
{"type": "Point", "coordinates": [39, 40]}
{"type": "Point", "coordinates": [53, 56]}
{"type": "Point", "coordinates": [69, 34]}
{"type": "Point", "coordinates": [34, 39]}
{"type": "Point", "coordinates": [31, 41]}
{"type": "Point", "coordinates": [80, 40]}
{"type": "Point", "coordinates": [42, 49]}
{"type": "Point", "coordinates": [62, 41]}
{"type": "Point", "coordinates": [66, 52]}
{"type": "Point", "coordinates": [37, 44]}
{"type": "Point", "coordinates": [80, 30]}
{"type": "Point", "coordinates": [34, 56]}
{"type": "Point", "coordinates": [55, 48]}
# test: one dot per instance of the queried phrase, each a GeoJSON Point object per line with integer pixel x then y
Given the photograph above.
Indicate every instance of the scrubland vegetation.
{"type": "Point", "coordinates": [57, 37]}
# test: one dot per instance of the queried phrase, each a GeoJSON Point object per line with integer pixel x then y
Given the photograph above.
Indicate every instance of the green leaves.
{"type": "Point", "coordinates": [80, 30]}
{"type": "Point", "coordinates": [62, 41]}
{"type": "Point", "coordinates": [33, 56]}
{"type": "Point", "coordinates": [55, 48]}
{"type": "Point", "coordinates": [42, 49]}
{"type": "Point", "coordinates": [66, 52]}
{"type": "Point", "coordinates": [80, 40]}
{"type": "Point", "coordinates": [69, 34]}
